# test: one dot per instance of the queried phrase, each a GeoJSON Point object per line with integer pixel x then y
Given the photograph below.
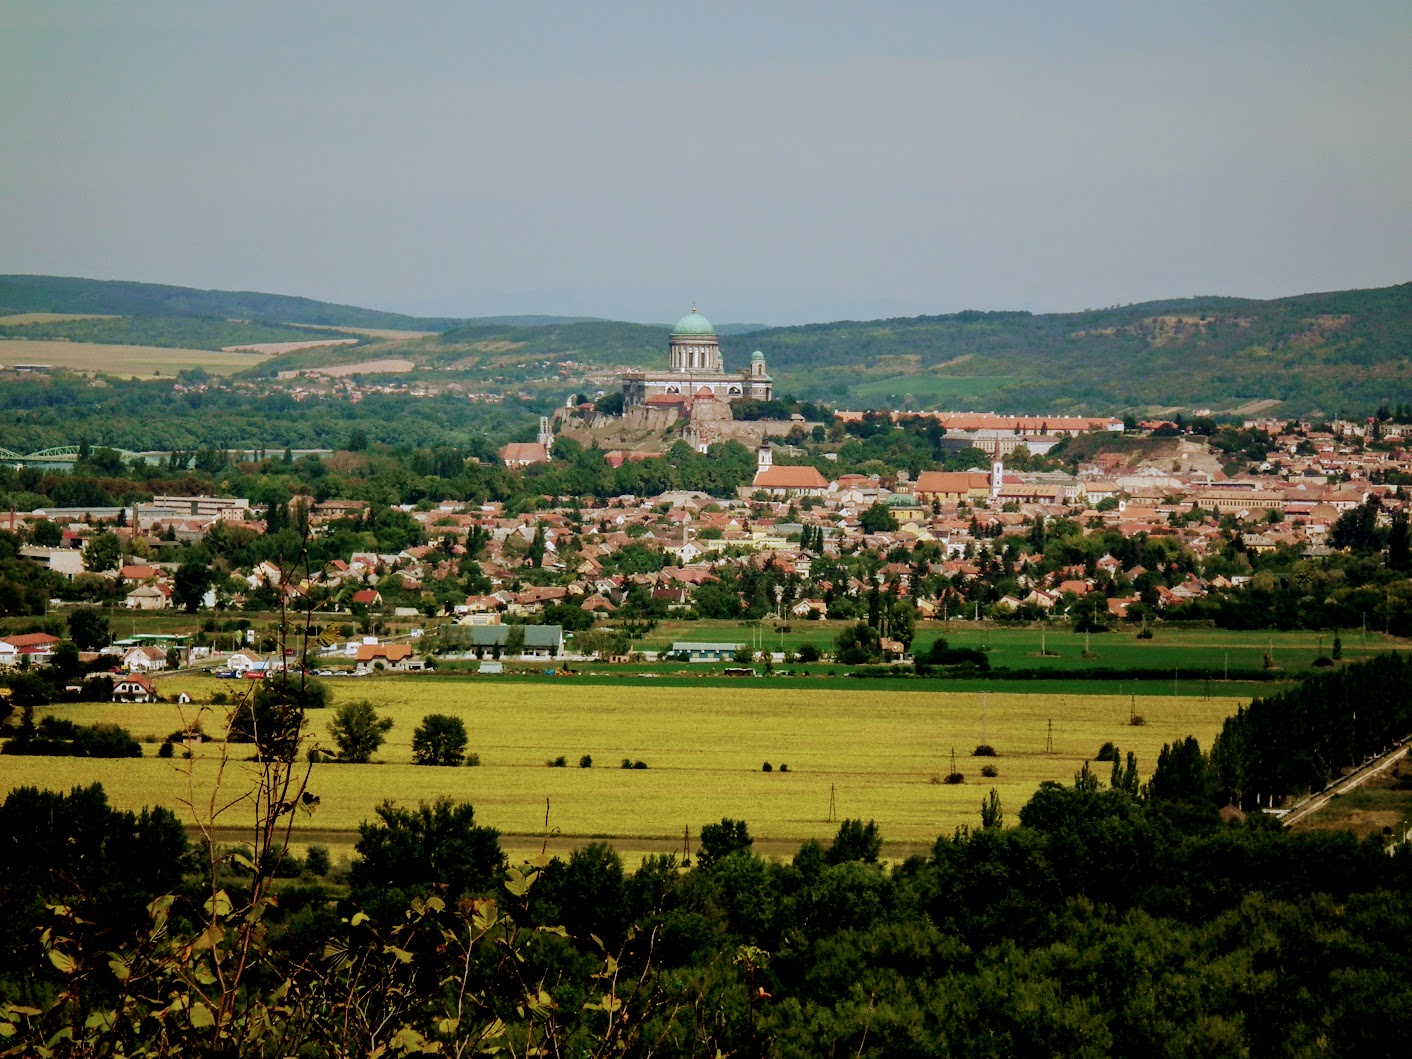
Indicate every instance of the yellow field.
{"type": "Point", "coordinates": [876, 751]}
{"type": "Point", "coordinates": [129, 362]}
{"type": "Point", "coordinates": [20, 319]}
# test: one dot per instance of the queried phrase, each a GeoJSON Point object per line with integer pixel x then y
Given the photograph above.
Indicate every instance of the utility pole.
{"type": "Point", "coordinates": [1049, 738]}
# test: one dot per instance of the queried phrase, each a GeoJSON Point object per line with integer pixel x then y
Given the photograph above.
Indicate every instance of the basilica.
{"type": "Point", "coordinates": [695, 372]}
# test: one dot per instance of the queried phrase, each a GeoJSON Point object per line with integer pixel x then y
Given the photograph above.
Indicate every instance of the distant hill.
{"type": "Point", "coordinates": [64, 294]}
{"type": "Point", "coordinates": [1343, 352]}
{"type": "Point", "coordinates": [1336, 353]}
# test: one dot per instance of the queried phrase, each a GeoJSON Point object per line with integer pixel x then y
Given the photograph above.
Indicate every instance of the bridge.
{"type": "Point", "coordinates": [58, 454]}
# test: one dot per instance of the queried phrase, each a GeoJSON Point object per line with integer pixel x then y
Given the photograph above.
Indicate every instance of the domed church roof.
{"type": "Point", "coordinates": [693, 323]}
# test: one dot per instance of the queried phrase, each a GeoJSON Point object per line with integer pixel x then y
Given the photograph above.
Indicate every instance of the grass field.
{"type": "Point", "coordinates": [129, 362]}
{"type": "Point", "coordinates": [930, 389]}
{"type": "Point", "coordinates": [877, 753]}
{"type": "Point", "coordinates": [1170, 648]}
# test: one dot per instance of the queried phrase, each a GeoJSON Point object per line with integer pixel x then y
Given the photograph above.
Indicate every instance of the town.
{"type": "Point", "coordinates": [1156, 521]}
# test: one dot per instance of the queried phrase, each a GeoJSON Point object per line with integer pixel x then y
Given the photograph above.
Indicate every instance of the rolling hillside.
{"type": "Point", "coordinates": [1335, 353]}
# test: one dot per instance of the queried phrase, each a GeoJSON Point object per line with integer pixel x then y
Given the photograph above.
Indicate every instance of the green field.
{"type": "Point", "coordinates": [929, 389]}
{"type": "Point", "coordinates": [1019, 648]}
{"type": "Point", "coordinates": [878, 753]}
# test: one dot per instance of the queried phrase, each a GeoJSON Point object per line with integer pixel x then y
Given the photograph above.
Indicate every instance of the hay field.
{"type": "Point", "coordinates": [877, 750]}
{"type": "Point", "coordinates": [21, 319]}
{"type": "Point", "coordinates": [128, 362]}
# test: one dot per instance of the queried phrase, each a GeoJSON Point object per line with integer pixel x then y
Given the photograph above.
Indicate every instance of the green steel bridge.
{"type": "Point", "coordinates": [58, 454]}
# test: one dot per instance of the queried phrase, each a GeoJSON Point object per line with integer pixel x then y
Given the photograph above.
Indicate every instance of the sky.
{"type": "Point", "coordinates": [767, 162]}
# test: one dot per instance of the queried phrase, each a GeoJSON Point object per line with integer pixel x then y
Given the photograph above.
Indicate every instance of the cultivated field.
{"type": "Point", "coordinates": [877, 754]}
{"type": "Point", "coordinates": [23, 319]}
{"type": "Point", "coordinates": [135, 362]}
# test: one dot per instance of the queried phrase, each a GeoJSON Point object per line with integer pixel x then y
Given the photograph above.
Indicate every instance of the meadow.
{"type": "Point", "coordinates": [1170, 648]}
{"type": "Point", "coordinates": [127, 362]}
{"type": "Point", "coordinates": [873, 754]}
{"type": "Point", "coordinates": [930, 389]}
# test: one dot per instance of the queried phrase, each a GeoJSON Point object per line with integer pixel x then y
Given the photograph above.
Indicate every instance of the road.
{"type": "Point", "coordinates": [1374, 768]}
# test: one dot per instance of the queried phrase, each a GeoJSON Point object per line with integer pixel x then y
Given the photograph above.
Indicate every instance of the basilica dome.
{"type": "Point", "coordinates": [693, 323]}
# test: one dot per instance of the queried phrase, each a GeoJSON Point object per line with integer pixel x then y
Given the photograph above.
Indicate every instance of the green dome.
{"type": "Point", "coordinates": [757, 355]}
{"type": "Point", "coordinates": [693, 323]}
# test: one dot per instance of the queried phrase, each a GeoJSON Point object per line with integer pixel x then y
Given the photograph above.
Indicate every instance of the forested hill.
{"type": "Point", "coordinates": [1334, 353]}
{"type": "Point", "coordinates": [1343, 352]}
{"type": "Point", "coordinates": [66, 294]}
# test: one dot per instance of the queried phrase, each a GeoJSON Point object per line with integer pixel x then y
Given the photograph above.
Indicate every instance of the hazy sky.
{"type": "Point", "coordinates": [771, 162]}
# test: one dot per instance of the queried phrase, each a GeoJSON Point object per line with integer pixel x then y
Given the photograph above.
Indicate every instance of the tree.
{"type": "Point", "coordinates": [807, 653]}
{"type": "Point", "coordinates": [64, 662]}
{"type": "Point", "coordinates": [102, 553]}
{"type": "Point", "coordinates": [46, 534]}
{"type": "Point", "coordinates": [855, 841]}
{"type": "Point", "coordinates": [358, 732]}
{"type": "Point", "coordinates": [719, 841]}
{"type": "Point", "coordinates": [190, 583]}
{"type": "Point", "coordinates": [439, 740]}
{"type": "Point", "coordinates": [1399, 542]}
{"type": "Point", "coordinates": [857, 644]}
{"type": "Point", "coordinates": [407, 850]}
{"type": "Point", "coordinates": [515, 641]}
{"type": "Point", "coordinates": [878, 519]}
{"type": "Point", "coordinates": [991, 814]}
{"type": "Point", "coordinates": [273, 718]}
{"type": "Point", "coordinates": [88, 628]}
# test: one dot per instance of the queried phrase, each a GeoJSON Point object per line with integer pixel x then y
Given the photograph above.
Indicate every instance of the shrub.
{"type": "Point", "coordinates": [472, 760]}
{"type": "Point", "coordinates": [1137, 720]}
{"type": "Point", "coordinates": [1107, 752]}
{"type": "Point", "coordinates": [220, 698]}
{"type": "Point", "coordinates": [984, 750]}
{"type": "Point", "coordinates": [1322, 662]}
{"type": "Point", "coordinates": [767, 767]}
{"type": "Point", "coordinates": [989, 771]}
{"type": "Point", "coordinates": [955, 777]}
{"type": "Point", "coordinates": [784, 767]}
{"type": "Point", "coordinates": [627, 762]}
{"type": "Point", "coordinates": [586, 762]}
{"type": "Point", "coordinates": [165, 750]}
{"type": "Point", "coordinates": [317, 861]}
{"type": "Point", "coordinates": [558, 763]}
{"type": "Point", "coordinates": [639, 764]}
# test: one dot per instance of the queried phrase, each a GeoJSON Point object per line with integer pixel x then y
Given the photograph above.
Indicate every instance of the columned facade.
{"type": "Point", "coordinates": [694, 364]}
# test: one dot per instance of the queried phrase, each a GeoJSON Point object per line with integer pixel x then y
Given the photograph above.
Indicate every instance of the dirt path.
{"type": "Point", "coordinates": [1374, 768]}
{"type": "Point", "coordinates": [521, 846]}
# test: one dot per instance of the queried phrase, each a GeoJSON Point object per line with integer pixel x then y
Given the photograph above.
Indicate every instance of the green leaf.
{"type": "Point", "coordinates": [218, 904]}
{"type": "Point", "coordinates": [201, 1016]}
{"type": "Point", "coordinates": [62, 960]}
{"type": "Point", "coordinates": [244, 861]}
{"type": "Point", "coordinates": [359, 918]}
{"type": "Point", "coordinates": [118, 967]}
{"type": "Point", "coordinates": [403, 956]}
{"type": "Point", "coordinates": [101, 1020]}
